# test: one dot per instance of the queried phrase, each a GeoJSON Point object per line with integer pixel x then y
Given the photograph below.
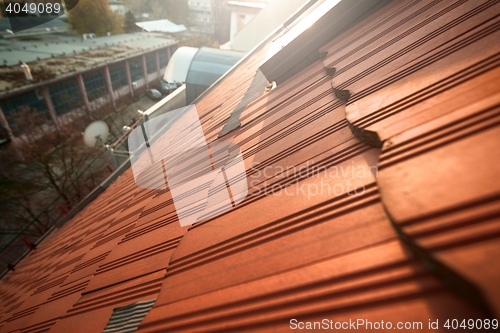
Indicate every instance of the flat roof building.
{"type": "Point", "coordinates": [72, 74]}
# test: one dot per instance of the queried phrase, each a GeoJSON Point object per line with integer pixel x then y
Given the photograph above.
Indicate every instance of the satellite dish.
{"type": "Point", "coordinates": [96, 134]}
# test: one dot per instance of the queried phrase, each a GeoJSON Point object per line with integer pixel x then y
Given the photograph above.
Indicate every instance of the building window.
{"type": "Point", "coordinates": [151, 63]}
{"type": "Point", "coordinates": [28, 107]}
{"type": "Point", "coordinates": [66, 96]}
{"type": "Point", "coordinates": [240, 23]}
{"type": "Point", "coordinates": [118, 75]}
{"type": "Point", "coordinates": [163, 58]}
{"type": "Point", "coordinates": [136, 70]}
{"type": "Point", "coordinates": [95, 84]}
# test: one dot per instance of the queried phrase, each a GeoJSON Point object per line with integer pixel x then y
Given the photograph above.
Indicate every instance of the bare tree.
{"type": "Point", "coordinates": [44, 165]}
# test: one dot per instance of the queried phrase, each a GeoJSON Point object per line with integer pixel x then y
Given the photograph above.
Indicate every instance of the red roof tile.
{"type": "Point", "coordinates": [418, 243]}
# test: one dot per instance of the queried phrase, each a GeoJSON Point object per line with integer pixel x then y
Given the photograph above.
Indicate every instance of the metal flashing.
{"type": "Point", "coordinates": [256, 89]}
{"type": "Point", "coordinates": [316, 26]}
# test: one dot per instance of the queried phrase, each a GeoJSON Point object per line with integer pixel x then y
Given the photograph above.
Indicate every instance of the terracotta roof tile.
{"type": "Point", "coordinates": [419, 242]}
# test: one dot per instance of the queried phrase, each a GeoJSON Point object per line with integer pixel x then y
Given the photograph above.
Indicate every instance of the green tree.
{"type": "Point", "coordinates": [176, 10]}
{"type": "Point", "coordinates": [129, 24]}
{"type": "Point", "coordinates": [95, 16]}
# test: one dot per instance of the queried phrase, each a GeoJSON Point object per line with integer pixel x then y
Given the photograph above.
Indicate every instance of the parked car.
{"type": "Point", "coordinates": [164, 88]}
{"type": "Point", "coordinates": [153, 94]}
{"type": "Point", "coordinates": [167, 85]}
{"type": "Point", "coordinates": [171, 84]}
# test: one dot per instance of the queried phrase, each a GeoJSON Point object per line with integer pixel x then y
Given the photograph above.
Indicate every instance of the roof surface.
{"type": "Point", "coordinates": [419, 242]}
{"type": "Point", "coordinates": [56, 55]}
{"type": "Point", "coordinates": [208, 64]}
{"type": "Point", "coordinates": [46, 47]}
{"type": "Point", "coordinates": [5, 23]}
{"type": "Point", "coordinates": [179, 63]}
{"type": "Point", "coordinates": [161, 26]}
{"type": "Point", "coordinates": [206, 67]}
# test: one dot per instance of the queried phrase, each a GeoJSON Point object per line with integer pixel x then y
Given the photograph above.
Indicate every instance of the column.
{"type": "Point", "coordinates": [83, 91]}
{"type": "Point", "coordinates": [50, 105]}
{"type": "Point", "coordinates": [110, 85]}
{"type": "Point", "coordinates": [158, 68]}
{"type": "Point", "coordinates": [145, 70]}
{"type": "Point", "coordinates": [129, 78]}
{"type": "Point", "coordinates": [5, 124]}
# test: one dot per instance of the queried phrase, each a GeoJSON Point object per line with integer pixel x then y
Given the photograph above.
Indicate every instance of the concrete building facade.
{"type": "Point", "coordinates": [109, 84]}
